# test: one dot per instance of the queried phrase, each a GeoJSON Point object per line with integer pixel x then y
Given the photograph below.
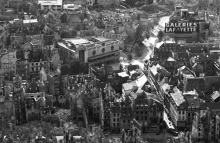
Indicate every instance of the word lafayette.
{"type": "Point", "coordinates": [180, 27]}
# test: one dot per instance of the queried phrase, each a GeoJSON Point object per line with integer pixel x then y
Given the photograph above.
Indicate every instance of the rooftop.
{"type": "Point", "coordinates": [30, 21]}
{"type": "Point", "coordinates": [100, 39]}
{"type": "Point", "coordinates": [50, 2]}
{"type": "Point", "coordinates": [71, 6]}
{"type": "Point", "coordinates": [140, 82]}
{"type": "Point", "coordinates": [210, 105]}
{"type": "Point", "coordinates": [77, 41]}
{"type": "Point", "coordinates": [215, 95]}
{"type": "Point", "coordinates": [192, 101]}
{"type": "Point", "coordinates": [177, 97]}
{"type": "Point", "coordinates": [129, 86]}
{"type": "Point", "coordinates": [115, 109]}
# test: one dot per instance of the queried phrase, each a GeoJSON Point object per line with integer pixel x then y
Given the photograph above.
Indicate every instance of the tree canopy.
{"type": "Point", "coordinates": [65, 35]}
{"type": "Point", "coordinates": [65, 69]}
{"type": "Point", "coordinates": [75, 67]}
{"type": "Point", "coordinates": [160, 35]}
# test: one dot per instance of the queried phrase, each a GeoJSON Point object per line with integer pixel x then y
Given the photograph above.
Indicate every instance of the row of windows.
{"type": "Point", "coordinates": [114, 120]}
{"type": "Point", "coordinates": [36, 69]}
{"type": "Point", "coordinates": [104, 57]}
{"type": "Point", "coordinates": [181, 118]}
{"type": "Point", "coordinates": [141, 108]}
{"type": "Point", "coordinates": [137, 112]}
{"type": "Point", "coordinates": [116, 125]}
{"type": "Point", "coordinates": [38, 63]}
{"type": "Point", "coordinates": [141, 118]}
{"type": "Point", "coordinates": [181, 112]}
{"type": "Point", "coordinates": [103, 50]}
{"type": "Point", "coordinates": [116, 114]}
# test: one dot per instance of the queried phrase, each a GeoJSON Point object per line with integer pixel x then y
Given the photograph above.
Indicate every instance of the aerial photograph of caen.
{"type": "Point", "coordinates": [109, 71]}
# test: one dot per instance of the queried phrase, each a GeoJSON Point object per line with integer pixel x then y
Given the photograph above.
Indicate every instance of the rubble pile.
{"type": "Point", "coordinates": [32, 129]}
{"type": "Point", "coordinates": [57, 131]}
{"type": "Point", "coordinates": [63, 114]}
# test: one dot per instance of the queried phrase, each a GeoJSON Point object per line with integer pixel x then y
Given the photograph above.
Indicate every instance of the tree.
{"type": "Point", "coordinates": [63, 18]}
{"type": "Point", "coordinates": [137, 50]}
{"type": "Point", "coordinates": [130, 57]}
{"type": "Point", "coordinates": [171, 5]}
{"type": "Point", "coordinates": [65, 69]}
{"type": "Point", "coordinates": [137, 4]}
{"type": "Point", "coordinates": [86, 68]}
{"type": "Point", "coordinates": [146, 34]}
{"type": "Point", "coordinates": [75, 67]}
{"type": "Point", "coordinates": [149, 2]}
{"type": "Point", "coordinates": [78, 27]}
{"type": "Point", "coordinates": [138, 16]}
{"type": "Point", "coordinates": [63, 115]}
{"type": "Point", "coordinates": [160, 35]}
{"type": "Point", "coordinates": [131, 3]}
{"type": "Point", "coordinates": [156, 21]}
{"type": "Point", "coordinates": [65, 35]}
{"type": "Point", "coordinates": [73, 33]}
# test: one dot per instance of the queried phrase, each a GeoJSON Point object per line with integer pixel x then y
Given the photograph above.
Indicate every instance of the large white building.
{"type": "Point", "coordinates": [55, 5]}
{"type": "Point", "coordinates": [97, 50]}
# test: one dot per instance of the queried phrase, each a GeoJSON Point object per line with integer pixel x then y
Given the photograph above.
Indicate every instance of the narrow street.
{"type": "Point", "coordinates": [147, 52]}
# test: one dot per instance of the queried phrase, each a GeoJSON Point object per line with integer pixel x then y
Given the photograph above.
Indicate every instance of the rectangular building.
{"type": "Point", "coordinates": [55, 5]}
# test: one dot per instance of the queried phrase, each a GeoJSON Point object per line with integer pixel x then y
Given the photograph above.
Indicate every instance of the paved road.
{"type": "Point", "coordinates": [164, 20]}
{"type": "Point", "coordinates": [148, 52]}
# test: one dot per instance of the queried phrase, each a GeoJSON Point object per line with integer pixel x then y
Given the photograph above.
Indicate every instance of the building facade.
{"type": "Point", "coordinates": [141, 111]}
{"type": "Point", "coordinates": [54, 5]}
{"type": "Point", "coordinates": [8, 62]}
{"type": "Point", "coordinates": [96, 51]}
{"type": "Point", "coordinates": [35, 67]}
{"type": "Point", "coordinates": [22, 69]}
{"type": "Point", "coordinates": [115, 117]}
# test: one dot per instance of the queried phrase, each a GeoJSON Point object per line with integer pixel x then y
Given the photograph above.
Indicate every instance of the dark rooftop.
{"type": "Point", "coordinates": [210, 105]}
{"type": "Point", "coordinates": [197, 83]}
{"type": "Point", "coordinates": [192, 101]}
{"type": "Point", "coordinates": [115, 109]}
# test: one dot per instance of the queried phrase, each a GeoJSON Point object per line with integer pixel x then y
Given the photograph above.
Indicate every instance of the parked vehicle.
{"type": "Point", "coordinates": [173, 132]}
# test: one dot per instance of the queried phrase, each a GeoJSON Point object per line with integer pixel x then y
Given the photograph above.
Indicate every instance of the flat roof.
{"type": "Point", "coordinates": [30, 21]}
{"type": "Point", "coordinates": [64, 46]}
{"type": "Point", "coordinates": [71, 6]}
{"type": "Point", "coordinates": [184, 9]}
{"type": "Point", "coordinates": [77, 41]}
{"type": "Point", "coordinates": [101, 39]}
{"type": "Point", "coordinates": [50, 2]}
{"type": "Point", "coordinates": [177, 97]}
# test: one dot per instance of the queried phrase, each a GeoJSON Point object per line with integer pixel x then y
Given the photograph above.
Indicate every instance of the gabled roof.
{"type": "Point", "coordinates": [215, 95]}
{"type": "Point", "coordinates": [177, 97]}
{"type": "Point", "coordinates": [154, 68]}
{"type": "Point", "coordinates": [140, 82]}
{"type": "Point", "coordinates": [129, 86]}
